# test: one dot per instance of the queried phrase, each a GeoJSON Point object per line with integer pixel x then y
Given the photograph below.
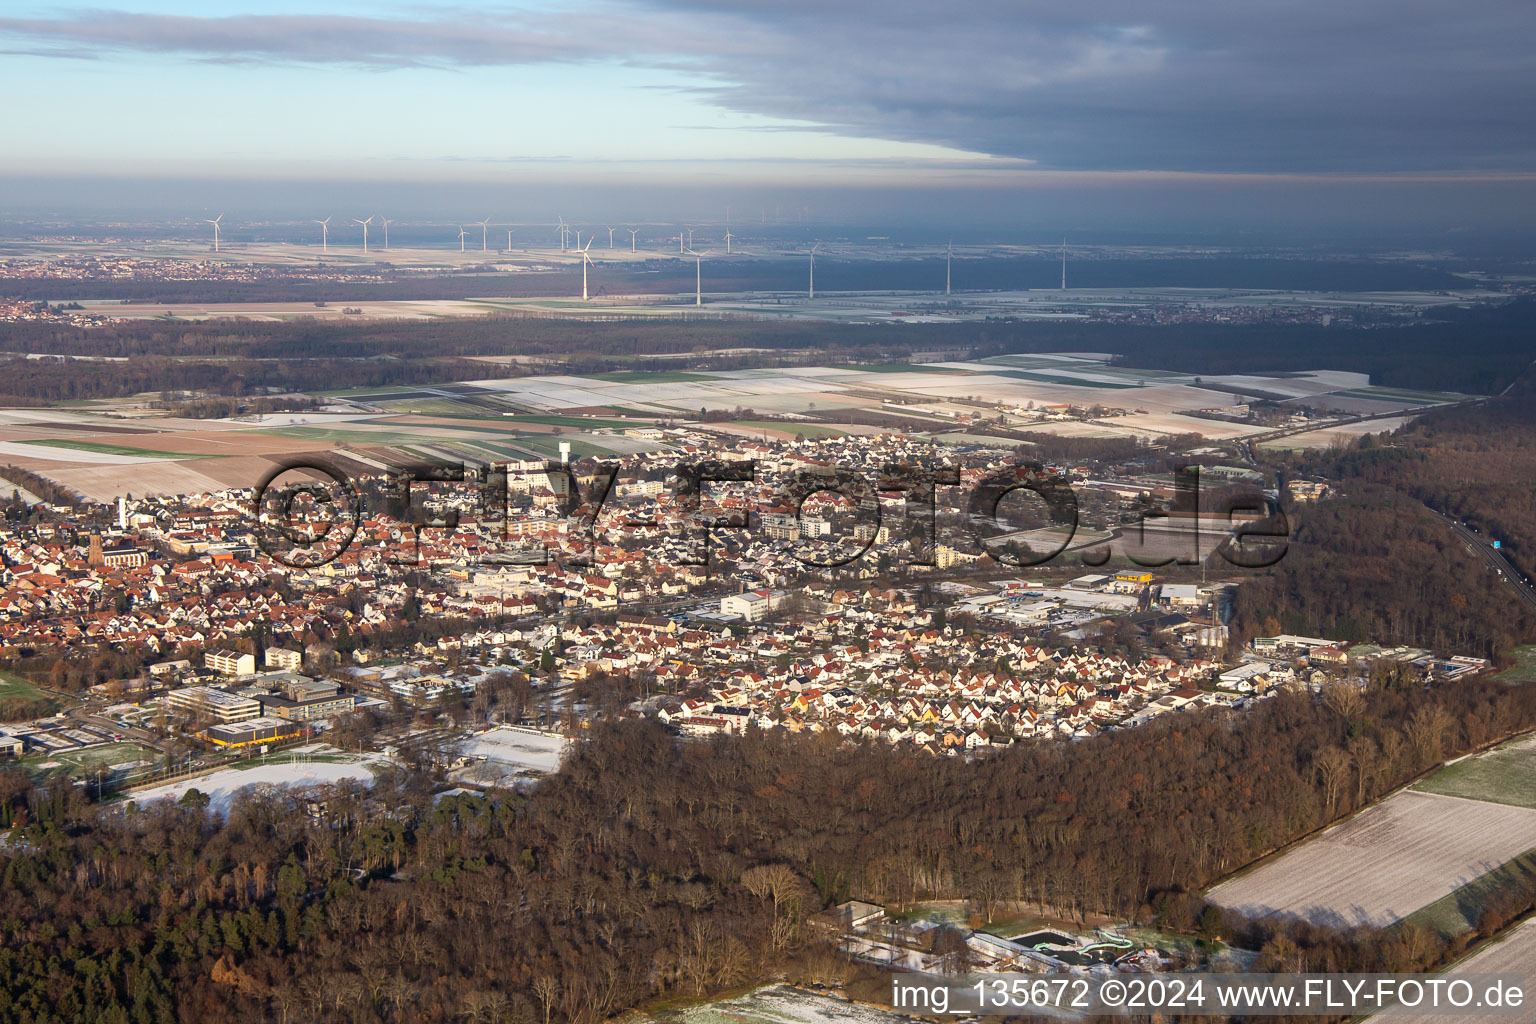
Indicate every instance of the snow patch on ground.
{"type": "Point", "coordinates": [221, 786]}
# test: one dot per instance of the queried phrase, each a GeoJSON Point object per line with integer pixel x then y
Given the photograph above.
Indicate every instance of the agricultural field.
{"type": "Point", "coordinates": [578, 422]}
{"type": "Point", "coordinates": [1503, 775]}
{"type": "Point", "coordinates": [1460, 912]}
{"type": "Point", "coordinates": [1512, 954]}
{"type": "Point", "coordinates": [102, 448]}
{"type": "Point", "coordinates": [651, 376]}
{"type": "Point", "coordinates": [107, 451]}
{"type": "Point", "coordinates": [1385, 862]}
{"type": "Point", "coordinates": [791, 428]}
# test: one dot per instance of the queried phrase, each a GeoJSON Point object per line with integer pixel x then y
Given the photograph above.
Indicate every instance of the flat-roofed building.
{"type": "Point", "coordinates": [212, 703]}
{"type": "Point", "coordinates": [256, 730]}
{"type": "Point", "coordinates": [302, 699]}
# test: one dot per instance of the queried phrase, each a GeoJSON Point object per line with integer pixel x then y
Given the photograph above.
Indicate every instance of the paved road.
{"type": "Point", "coordinates": [1493, 557]}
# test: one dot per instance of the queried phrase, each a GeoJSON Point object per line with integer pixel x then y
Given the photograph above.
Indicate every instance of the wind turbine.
{"type": "Point", "coordinates": [698, 276]}
{"type": "Point", "coordinates": [215, 223]}
{"type": "Point", "coordinates": [586, 261]}
{"type": "Point", "coordinates": [484, 227]}
{"type": "Point", "coordinates": [813, 269]}
{"type": "Point", "coordinates": [386, 233]}
{"type": "Point", "coordinates": [461, 238]}
{"type": "Point", "coordinates": [632, 233]}
{"type": "Point", "coordinates": [1063, 262]}
{"type": "Point", "coordinates": [610, 238]}
{"type": "Point", "coordinates": [680, 247]}
{"type": "Point", "coordinates": [728, 237]}
{"type": "Point", "coordinates": [949, 253]}
{"type": "Point", "coordinates": [561, 230]}
{"type": "Point", "coordinates": [325, 234]}
{"type": "Point", "coordinates": [690, 238]}
{"type": "Point", "coordinates": [365, 224]}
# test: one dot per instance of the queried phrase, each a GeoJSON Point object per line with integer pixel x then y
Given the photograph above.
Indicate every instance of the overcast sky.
{"type": "Point", "coordinates": [1258, 97]}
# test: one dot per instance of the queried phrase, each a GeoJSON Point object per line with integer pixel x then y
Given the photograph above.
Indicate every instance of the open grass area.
{"type": "Point", "coordinates": [103, 448]}
{"type": "Point", "coordinates": [811, 430]}
{"type": "Point", "coordinates": [1503, 775]}
{"type": "Point", "coordinates": [14, 686]}
{"type": "Point", "coordinates": [1524, 668]}
{"type": "Point", "coordinates": [1458, 912]}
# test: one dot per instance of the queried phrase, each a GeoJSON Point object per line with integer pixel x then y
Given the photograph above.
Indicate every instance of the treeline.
{"type": "Point", "coordinates": [45, 489]}
{"type": "Point", "coordinates": [23, 709]}
{"type": "Point", "coordinates": [220, 408]}
{"type": "Point", "coordinates": [28, 380]}
{"type": "Point", "coordinates": [651, 868]}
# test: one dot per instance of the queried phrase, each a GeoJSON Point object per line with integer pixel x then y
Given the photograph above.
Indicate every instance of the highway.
{"type": "Point", "coordinates": [1493, 557]}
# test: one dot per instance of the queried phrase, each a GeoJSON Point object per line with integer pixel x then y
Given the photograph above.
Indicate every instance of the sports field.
{"type": "Point", "coordinates": [283, 769]}
{"type": "Point", "coordinates": [85, 764]}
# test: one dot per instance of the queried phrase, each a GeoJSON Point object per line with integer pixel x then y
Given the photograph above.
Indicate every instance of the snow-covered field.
{"type": "Point", "coordinates": [781, 1004]}
{"type": "Point", "coordinates": [521, 751]}
{"type": "Point", "coordinates": [1385, 862]}
{"type": "Point", "coordinates": [1512, 954]}
{"type": "Point", "coordinates": [221, 786]}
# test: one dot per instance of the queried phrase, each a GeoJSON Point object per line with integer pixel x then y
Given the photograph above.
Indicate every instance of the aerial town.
{"type": "Point", "coordinates": [177, 626]}
{"type": "Point", "coordinates": [728, 513]}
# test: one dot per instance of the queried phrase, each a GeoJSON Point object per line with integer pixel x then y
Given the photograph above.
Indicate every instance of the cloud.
{"type": "Point", "coordinates": [1368, 86]}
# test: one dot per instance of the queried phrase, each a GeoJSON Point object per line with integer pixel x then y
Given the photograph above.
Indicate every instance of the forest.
{"type": "Point", "coordinates": [1475, 462]}
{"type": "Point", "coordinates": [650, 868]}
{"type": "Point", "coordinates": [1377, 566]}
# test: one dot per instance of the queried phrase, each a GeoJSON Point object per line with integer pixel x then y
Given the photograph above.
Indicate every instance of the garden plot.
{"type": "Point", "coordinates": [1385, 862]}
